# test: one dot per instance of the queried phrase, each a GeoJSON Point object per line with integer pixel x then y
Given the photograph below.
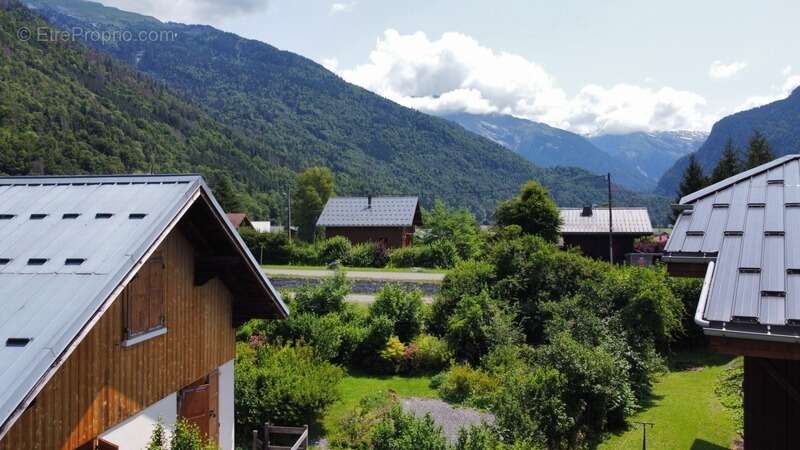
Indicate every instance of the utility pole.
{"type": "Point", "coordinates": [289, 228]}
{"type": "Point", "coordinates": [610, 224]}
{"type": "Point", "coordinates": [644, 432]}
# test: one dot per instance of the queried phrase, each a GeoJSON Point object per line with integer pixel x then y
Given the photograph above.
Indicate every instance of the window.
{"type": "Point", "coordinates": [97, 444]}
{"type": "Point", "coordinates": [144, 302]}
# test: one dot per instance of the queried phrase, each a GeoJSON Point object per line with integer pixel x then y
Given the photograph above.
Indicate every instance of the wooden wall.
{"type": "Point", "coordinates": [357, 235]}
{"type": "Point", "coordinates": [771, 404]}
{"type": "Point", "coordinates": [596, 246]}
{"type": "Point", "coordinates": [102, 383]}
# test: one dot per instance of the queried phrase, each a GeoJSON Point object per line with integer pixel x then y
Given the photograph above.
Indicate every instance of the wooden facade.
{"type": "Point", "coordinates": [390, 237]}
{"type": "Point", "coordinates": [103, 383]}
{"type": "Point", "coordinates": [596, 245]}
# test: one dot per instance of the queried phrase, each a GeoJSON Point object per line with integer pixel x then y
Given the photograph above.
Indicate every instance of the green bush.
{"type": "Point", "coordinates": [184, 436]}
{"type": "Point", "coordinates": [362, 255]}
{"type": "Point", "coordinates": [286, 384]}
{"type": "Point", "coordinates": [463, 382]}
{"type": "Point", "coordinates": [479, 323]}
{"type": "Point", "coordinates": [334, 249]}
{"type": "Point", "coordinates": [268, 248]}
{"type": "Point", "coordinates": [404, 308]}
{"type": "Point", "coordinates": [457, 226]}
{"type": "Point", "coordinates": [326, 297]}
{"type": "Point", "coordinates": [438, 254]}
{"type": "Point", "coordinates": [467, 278]}
{"type": "Point", "coordinates": [486, 437]}
{"type": "Point", "coordinates": [395, 353]}
{"type": "Point", "coordinates": [355, 427]}
{"type": "Point", "coordinates": [379, 330]}
{"type": "Point", "coordinates": [534, 211]}
{"type": "Point", "coordinates": [429, 353]}
{"type": "Point", "coordinates": [400, 431]}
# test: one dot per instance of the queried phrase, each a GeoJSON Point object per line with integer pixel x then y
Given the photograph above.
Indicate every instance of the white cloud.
{"type": "Point", "coordinates": [190, 11]}
{"type": "Point", "coordinates": [331, 64]}
{"type": "Point", "coordinates": [341, 7]}
{"type": "Point", "coordinates": [790, 82]}
{"type": "Point", "coordinates": [720, 70]}
{"type": "Point", "coordinates": [456, 73]}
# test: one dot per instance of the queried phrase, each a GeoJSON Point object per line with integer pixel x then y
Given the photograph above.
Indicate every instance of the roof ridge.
{"type": "Point", "coordinates": [718, 186]}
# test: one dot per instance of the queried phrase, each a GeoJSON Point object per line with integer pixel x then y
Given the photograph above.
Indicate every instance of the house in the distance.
{"type": "Point", "coordinates": [239, 220]}
{"type": "Point", "coordinates": [119, 298]}
{"type": "Point", "coordinates": [587, 228]}
{"type": "Point", "coordinates": [262, 226]}
{"type": "Point", "coordinates": [390, 221]}
{"type": "Point", "coordinates": [743, 236]}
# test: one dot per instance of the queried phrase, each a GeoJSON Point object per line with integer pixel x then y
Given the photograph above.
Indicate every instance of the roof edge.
{"type": "Point", "coordinates": [737, 178]}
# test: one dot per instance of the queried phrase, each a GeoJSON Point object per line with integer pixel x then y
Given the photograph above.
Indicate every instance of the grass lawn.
{"type": "Point", "coordinates": [355, 386]}
{"type": "Point", "coordinates": [685, 410]}
{"type": "Point", "coordinates": [355, 269]}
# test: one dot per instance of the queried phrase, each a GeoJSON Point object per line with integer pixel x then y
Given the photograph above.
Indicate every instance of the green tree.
{"type": "Point", "coordinates": [758, 150]}
{"type": "Point", "coordinates": [313, 189]}
{"type": "Point", "coordinates": [455, 225]}
{"type": "Point", "coordinates": [729, 165]}
{"type": "Point", "coordinates": [226, 195]}
{"type": "Point", "coordinates": [693, 180]}
{"type": "Point", "coordinates": [533, 210]}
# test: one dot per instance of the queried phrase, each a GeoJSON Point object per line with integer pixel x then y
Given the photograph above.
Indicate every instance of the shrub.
{"type": "Point", "coordinates": [302, 253]}
{"type": "Point", "coordinates": [362, 255]}
{"type": "Point", "coordinates": [326, 297]}
{"type": "Point", "coordinates": [379, 330]}
{"type": "Point", "coordinates": [283, 384]}
{"type": "Point", "coordinates": [463, 382]}
{"type": "Point", "coordinates": [394, 353]}
{"type": "Point", "coordinates": [730, 392]}
{"type": "Point", "coordinates": [487, 437]}
{"type": "Point", "coordinates": [334, 249]}
{"type": "Point", "coordinates": [477, 324]}
{"type": "Point", "coordinates": [355, 427]}
{"type": "Point", "coordinates": [184, 436]}
{"type": "Point", "coordinates": [430, 353]}
{"type": "Point", "coordinates": [467, 278]}
{"type": "Point", "coordinates": [533, 210]}
{"type": "Point", "coordinates": [268, 248]}
{"type": "Point", "coordinates": [400, 430]}
{"type": "Point", "coordinates": [414, 256]}
{"type": "Point", "coordinates": [403, 308]}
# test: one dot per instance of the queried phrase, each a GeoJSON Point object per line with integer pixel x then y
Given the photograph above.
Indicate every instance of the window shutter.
{"type": "Point", "coordinates": [137, 313]}
{"type": "Point", "coordinates": [156, 293]}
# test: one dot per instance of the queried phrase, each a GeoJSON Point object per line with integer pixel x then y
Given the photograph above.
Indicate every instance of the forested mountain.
{"type": "Point", "coordinates": [547, 146]}
{"type": "Point", "coordinates": [67, 110]}
{"type": "Point", "coordinates": [280, 112]}
{"type": "Point", "coordinates": [651, 153]}
{"type": "Point", "coordinates": [779, 122]}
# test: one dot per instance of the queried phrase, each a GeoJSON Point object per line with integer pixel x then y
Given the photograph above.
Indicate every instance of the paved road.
{"type": "Point", "coordinates": [369, 299]}
{"type": "Point", "coordinates": [355, 275]}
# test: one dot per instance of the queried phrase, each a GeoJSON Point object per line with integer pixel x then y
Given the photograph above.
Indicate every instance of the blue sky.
{"type": "Point", "coordinates": [588, 66]}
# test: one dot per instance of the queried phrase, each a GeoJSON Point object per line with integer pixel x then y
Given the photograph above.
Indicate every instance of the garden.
{"type": "Point", "coordinates": [563, 351]}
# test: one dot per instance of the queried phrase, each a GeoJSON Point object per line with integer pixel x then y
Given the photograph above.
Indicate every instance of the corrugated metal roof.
{"type": "Point", "coordinates": [66, 243]}
{"type": "Point", "coordinates": [750, 224]}
{"type": "Point", "coordinates": [380, 212]}
{"type": "Point", "coordinates": [626, 221]}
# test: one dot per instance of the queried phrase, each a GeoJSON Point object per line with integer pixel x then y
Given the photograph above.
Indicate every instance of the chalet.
{"type": "Point", "coordinates": [118, 301]}
{"type": "Point", "coordinates": [743, 236]}
{"type": "Point", "coordinates": [390, 221]}
{"type": "Point", "coordinates": [239, 220]}
{"type": "Point", "coordinates": [262, 226]}
{"type": "Point", "coordinates": [587, 228]}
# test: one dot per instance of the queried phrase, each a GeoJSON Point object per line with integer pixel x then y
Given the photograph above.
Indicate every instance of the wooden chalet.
{"type": "Point", "coordinates": [119, 298]}
{"type": "Point", "coordinates": [587, 229]}
{"type": "Point", "coordinates": [239, 220]}
{"type": "Point", "coordinates": [388, 221]}
{"type": "Point", "coordinates": [743, 236]}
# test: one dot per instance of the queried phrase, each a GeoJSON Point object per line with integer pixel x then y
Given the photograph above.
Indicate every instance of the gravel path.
{"type": "Point", "coordinates": [449, 417]}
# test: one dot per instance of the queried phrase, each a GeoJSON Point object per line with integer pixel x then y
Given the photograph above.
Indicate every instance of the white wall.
{"type": "Point", "coordinates": [226, 414]}
{"type": "Point", "coordinates": [134, 433]}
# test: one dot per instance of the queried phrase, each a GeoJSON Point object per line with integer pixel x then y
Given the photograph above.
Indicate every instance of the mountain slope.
{"type": "Point", "coordinates": [546, 146]}
{"type": "Point", "coordinates": [778, 121]}
{"type": "Point", "coordinates": [651, 153]}
{"type": "Point", "coordinates": [304, 115]}
{"type": "Point", "coordinates": [67, 110]}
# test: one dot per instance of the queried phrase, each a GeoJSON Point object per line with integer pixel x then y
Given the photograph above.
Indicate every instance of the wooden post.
{"type": "Point", "coordinates": [305, 444]}
{"type": "Point", "coordinates": [267, 442]}
{"type": "Point", "coordinates": [255, 440]}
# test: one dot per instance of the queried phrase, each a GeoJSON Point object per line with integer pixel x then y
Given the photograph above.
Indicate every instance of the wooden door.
{"type": "Point", "coordinates": [194, 402]}
{"type": "Point", "coordinates": [98, 444]}
{"type": "Point", "coordinates": [199, 405]}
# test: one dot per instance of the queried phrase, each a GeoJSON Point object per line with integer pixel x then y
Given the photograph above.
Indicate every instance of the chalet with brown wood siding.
{"type": "Point", "coordinates": [119, 298]}
{"type": "Point", "coordinates": [387, 221]}
{"type": "Point", "coordinates": [743, 235]}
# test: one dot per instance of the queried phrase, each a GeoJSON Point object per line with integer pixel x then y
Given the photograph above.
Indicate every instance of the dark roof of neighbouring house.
{"type": "Point", "coordinates": [111, 223]}
{"type": "Point", "coordinates": [377, 212]}
{"type": "Point", "coordinates": [749, 225]}
{"type": "Point", "coordinates": [634, 221]}
{"type": "Point", "coordinates": [239, 219]}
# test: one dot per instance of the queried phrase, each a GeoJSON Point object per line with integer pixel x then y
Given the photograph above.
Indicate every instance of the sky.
{"type": "Point", "coordinates": [592, 67]}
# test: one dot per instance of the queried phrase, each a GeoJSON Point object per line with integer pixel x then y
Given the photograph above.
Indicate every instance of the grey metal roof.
{"type": "Point", "coordinates": [111, 223]}
{"type": "Point", "coordinates": [626, 221]}
{"type": "Point", "coordinates": [356, 212]}
{"type": "Point", "coordinates": [750, 224]}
